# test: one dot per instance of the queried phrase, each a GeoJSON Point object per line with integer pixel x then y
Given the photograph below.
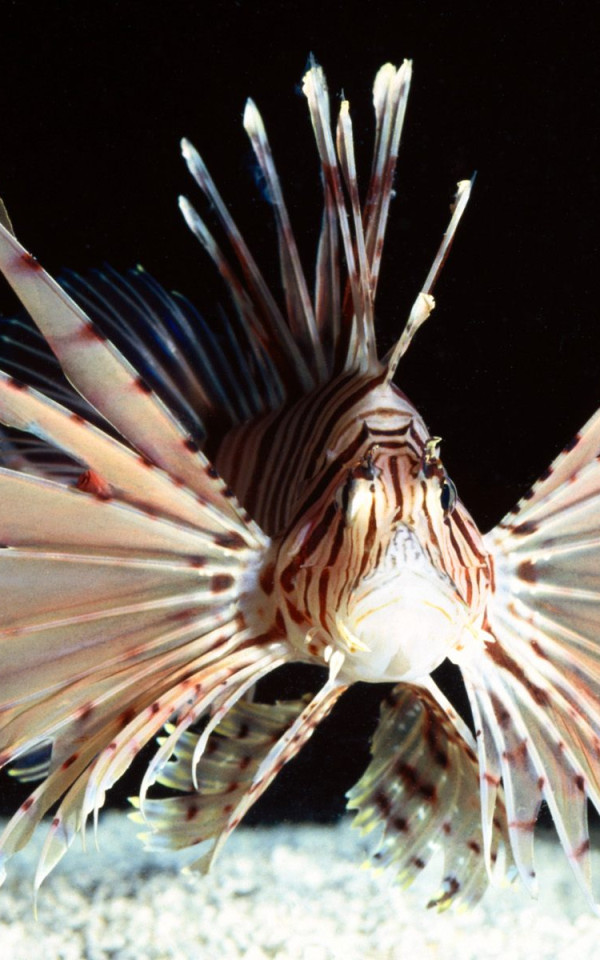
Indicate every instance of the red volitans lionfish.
{"type": "Point", "coordinates": [187, 505]}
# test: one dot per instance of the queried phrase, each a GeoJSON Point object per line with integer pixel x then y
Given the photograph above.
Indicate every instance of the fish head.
{"type": "Point", "coordinates": [380, 569]}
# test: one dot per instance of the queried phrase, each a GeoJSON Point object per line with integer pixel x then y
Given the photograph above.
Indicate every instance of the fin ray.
{"type": "Point", "coordinates": [421, 792]}
{"type": "Point", "coordinates": [535, 674]}
{"type": "Point", "coordinates": [101, 373]}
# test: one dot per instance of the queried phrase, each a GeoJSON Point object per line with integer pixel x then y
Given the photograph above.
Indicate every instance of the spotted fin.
{"type": "Point", "coordinates": [127, 602]}
{"type": "Point", "coordinates": [210, 381]}
{"type": "Point", "coordinates": [25, 355]}
{"type": "Point", "coordinates": [221, 792]}
{"type": "Point", "coordinates": [120, 602]}
{"type": "Point", "coordinates": [134, 615]}
{"type": "Point", "coordinates": [234, 751]}
{"type": "Point", "coordinates": [102, 375]}
{"type": "Point", "coordinates": [534, 675]}
{"type": "Point", "coordinates": [26, 358]}
{"type": "Point", "coordinates": [331, 331]}
{"type": "Point", "coordinates": [133, 478]}
{"type": "Point", "coordinates": [421, 794]}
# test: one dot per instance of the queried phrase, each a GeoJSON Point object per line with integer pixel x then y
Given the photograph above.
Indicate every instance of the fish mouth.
{"type": "Point", "coordinates": [401, 637]}
{"type": "Point", "coordinates": [402, 620]}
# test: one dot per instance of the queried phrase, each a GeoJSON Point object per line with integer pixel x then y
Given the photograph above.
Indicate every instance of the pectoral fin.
{"type": "Point", "coordinates": [422, 788]}
{"type": "Point", "coordinates": [237, 763]}
{"type": "Point", "coordinates": [533, 676]}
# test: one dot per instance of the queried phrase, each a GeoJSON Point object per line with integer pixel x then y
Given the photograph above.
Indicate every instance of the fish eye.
{"type": "Point", "coordinates": [448, 495]}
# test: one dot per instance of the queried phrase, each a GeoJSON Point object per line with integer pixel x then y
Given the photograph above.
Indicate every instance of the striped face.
{"type": "Point", "coordinates": [379, 560]}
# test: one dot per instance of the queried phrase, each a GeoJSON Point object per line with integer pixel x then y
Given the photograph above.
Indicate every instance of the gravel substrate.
{"type": "Point", "coordinates": [281, 892]}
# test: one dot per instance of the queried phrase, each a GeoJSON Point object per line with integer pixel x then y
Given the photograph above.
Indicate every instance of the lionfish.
{"type": "Point", "coordinates": [188, 505]}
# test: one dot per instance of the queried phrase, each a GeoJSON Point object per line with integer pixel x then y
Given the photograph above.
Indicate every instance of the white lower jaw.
{"type": "Point", "coordinates": [401, 637]}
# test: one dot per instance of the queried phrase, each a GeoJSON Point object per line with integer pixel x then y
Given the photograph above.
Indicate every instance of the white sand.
{"type": "Point", "coordinates": [284, 892]}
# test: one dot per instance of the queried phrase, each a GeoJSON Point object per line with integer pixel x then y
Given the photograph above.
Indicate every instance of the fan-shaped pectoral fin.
{"type": "Point", "coordinates": [533, 676]}
{"type": "Point", "coordinates": [218, 778]}
{"type": "Point", "coordinates": [422, 790]}
{"type": "Point", "coordinates": [540, 739]}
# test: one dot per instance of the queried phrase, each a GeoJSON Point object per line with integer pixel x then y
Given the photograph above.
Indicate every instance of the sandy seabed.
{"type": "Point", "coordinates": [277, 893]}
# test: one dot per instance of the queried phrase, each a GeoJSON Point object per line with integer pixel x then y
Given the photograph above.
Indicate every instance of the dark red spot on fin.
{"type": "Point", "coordinates": [221, 582]}
{"type": "Point", "coordinates": [572, 443]}
{"type": "Point", "coordinates": [400, 824]}
{"type": "Point", "coordinates": [582, 849]}
{"type": "Point", "coordinates": [127, 716]}
{"type": "Point", "coordinates": [85, 711]}
{"type": "Point", "coordinates": [142, 386]}
{"type": "Point", "coordinates": [30, 261]}
{"type": "Point", "coordinates": [88, 331]}
{"type": "Point", "coordinates": [538, 650]}
{"type": "Point", "coordinates": [92, 482]}
{"type": "Point", "coordinates": [230, 541]}
{"type": "Point", "coordinates": [16, 384]}
{"type": "Point", "coordinates": [525, 528]}
{"type": "Point", "coordinates": [526, 571]}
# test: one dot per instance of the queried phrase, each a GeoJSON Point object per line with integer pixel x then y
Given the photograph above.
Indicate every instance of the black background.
{"type": "Point", "coordinates": [94, 98]}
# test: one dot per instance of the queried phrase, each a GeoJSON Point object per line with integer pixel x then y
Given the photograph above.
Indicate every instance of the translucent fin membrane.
{"type": "Point", "coordinates": [120, 602]}
{"type": "Point", "coordinates": [287, 746]}
{"type": "Point", "coordinates": [88, 793]}
{"type": "Point", "coordinates": [133, 640]}
{"type": "Point", "coordinates": [26, 454]}
{"type": "Point", "coordinates": [534, 678]}
{"type": "Point", "coordinates": [105, 378]}
{"type": "Point", "coordinates": [420, 795]}
{"type": "Point", "coordinates": [223, 770]}
{"type": "Point", "coordinates": [25, 355]}
{"type": "Point", "coordinates": [229, 763]}
{"type": "Point", "coordinates": [120, 468]}
{"type": "Point", "coordinates": [155, 333]}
